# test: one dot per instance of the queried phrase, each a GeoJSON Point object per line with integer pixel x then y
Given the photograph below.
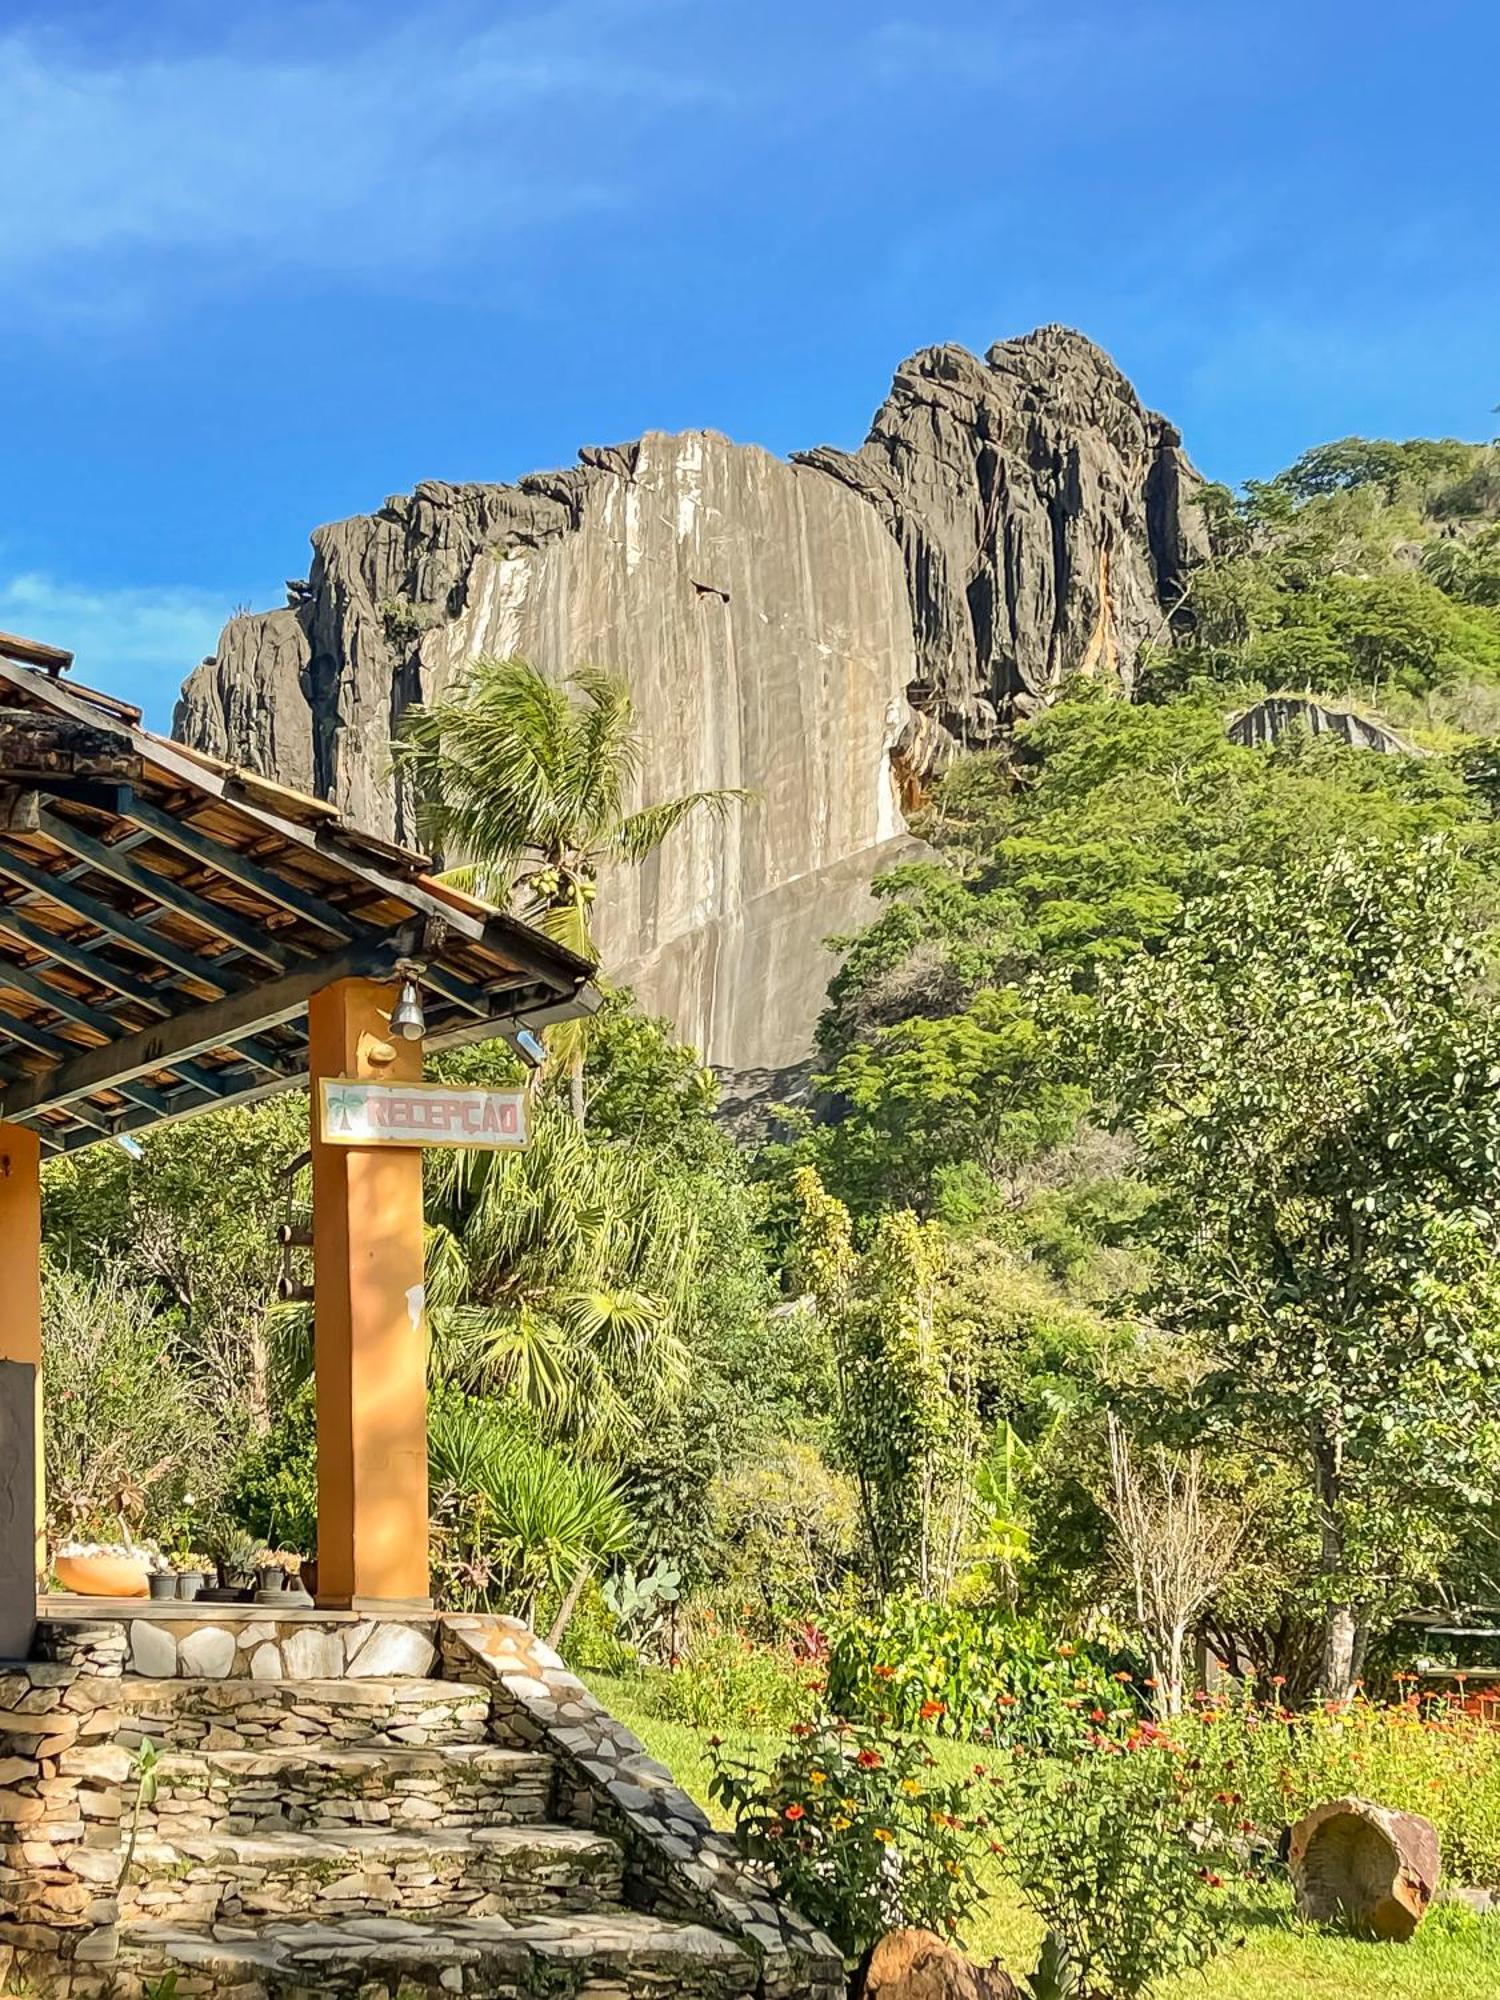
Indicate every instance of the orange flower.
{"type": "Point", "coordinates": [929, 1709]}
{"type": "Point", "coordinates": [794, 1812]}
{"type": "Point", "coordinates": [868, 1760]}
{"type": "Point", "coordinates": [883, 1835]}
{"type": "Point", "coordinates": [885, 1673]}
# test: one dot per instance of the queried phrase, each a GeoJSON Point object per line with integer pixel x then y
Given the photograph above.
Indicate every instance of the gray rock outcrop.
{"type": "Point", "coordinates": [1046, 518]}
{"type": "Point", "coordinates": [1268, 721]}
{"type": "Point", "coordinates": [817, 631]}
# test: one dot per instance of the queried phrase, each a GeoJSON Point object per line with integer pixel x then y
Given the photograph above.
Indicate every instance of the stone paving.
{"type": "Point", "coordinates": [617, 1955]}
{"type": "Point", "coordinates": [295, 1790]}
{"type": "Point", "coordinates": [484, 1871]}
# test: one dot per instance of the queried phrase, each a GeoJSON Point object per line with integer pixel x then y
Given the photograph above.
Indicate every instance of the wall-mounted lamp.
{"type": "Point", "coordinates": [530, 1047]}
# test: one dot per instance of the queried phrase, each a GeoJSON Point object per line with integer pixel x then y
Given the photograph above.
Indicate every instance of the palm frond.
{"type": "Point", "coordinates": [643, 832]}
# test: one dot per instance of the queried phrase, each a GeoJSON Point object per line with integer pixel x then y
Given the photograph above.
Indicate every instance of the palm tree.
{"type": "Point", "coordinates": [529, 781]}
{"type": "Point", "coordinates": [562, 1276]}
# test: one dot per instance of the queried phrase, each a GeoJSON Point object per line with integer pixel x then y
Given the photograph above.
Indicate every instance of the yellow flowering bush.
{"type": "Point", "coordinates": [861, 1833]}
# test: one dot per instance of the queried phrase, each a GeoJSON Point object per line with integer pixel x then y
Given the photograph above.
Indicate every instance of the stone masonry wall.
{"type": "Point", "coordinates": [61, 1777]}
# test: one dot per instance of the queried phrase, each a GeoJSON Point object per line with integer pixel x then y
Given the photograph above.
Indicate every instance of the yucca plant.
{"type": "Point", "coordinates": [514, 1516]}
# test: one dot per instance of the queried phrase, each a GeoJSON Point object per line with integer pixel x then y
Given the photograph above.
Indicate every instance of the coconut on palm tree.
{"type": "Point", "coordinates": [530, 782]}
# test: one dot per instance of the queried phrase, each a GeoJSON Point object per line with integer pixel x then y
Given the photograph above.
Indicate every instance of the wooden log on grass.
{"type": "Point", "coordinates": [1355, 1862]}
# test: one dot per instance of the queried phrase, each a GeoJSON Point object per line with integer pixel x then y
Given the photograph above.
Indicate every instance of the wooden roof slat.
{"type": "Point", "coordinates": [106, 859]}
{"type": "Point", "coordinates": [156, 886]}
{"type": "Point", "coordinates": [215, 1024]}
{"type": "Point", "coordinates": [33, 653]}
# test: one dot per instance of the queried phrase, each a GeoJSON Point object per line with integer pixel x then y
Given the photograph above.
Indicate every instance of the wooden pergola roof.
{"type": "Point", "coordinates": [164, 918]}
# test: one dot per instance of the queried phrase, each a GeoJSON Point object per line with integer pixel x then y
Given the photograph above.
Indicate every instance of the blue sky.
{"type": "Point", "coordinates": [266, 264]}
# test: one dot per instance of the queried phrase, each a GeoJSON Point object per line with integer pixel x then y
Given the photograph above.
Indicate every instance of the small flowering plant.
{"type": "Point", "coordinates": [861, 1835]}
{"type": "Point", "coordinates": [1126, 1851]}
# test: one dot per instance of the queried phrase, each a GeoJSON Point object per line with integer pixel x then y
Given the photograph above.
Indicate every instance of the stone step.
{"type": "Point", "coordinates": [295, 1790]}
{"type": "Point", "coordinates": [608, 1955]}
{"type": "Point", "coordinates": [258, 1715]}
{"type": "Point", "coordinates": [368, 1872]}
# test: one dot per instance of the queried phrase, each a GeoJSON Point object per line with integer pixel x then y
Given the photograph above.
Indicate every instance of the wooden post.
{"type": "Point", "coordinates": [23, 1541]}
{"type": "Point", "coordinates": [370, 1348]}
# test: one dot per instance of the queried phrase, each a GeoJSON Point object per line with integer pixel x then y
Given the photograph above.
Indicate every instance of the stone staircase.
{"type": "Point", "coordinates": [367, 1838]}
{"type": "Point", "coordinates": [325, 1819]}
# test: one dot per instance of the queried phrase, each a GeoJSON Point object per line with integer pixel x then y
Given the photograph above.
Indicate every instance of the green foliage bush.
{"type": "Point", "coordinates": [1125, 1852]}
{"type": "Point", "coordinates": [723, 1680]}
{"type": "Point", "coordinates": [787, 1527]}
{"type": "Point", "coordinates": [972, 1672]}
{"type": "Point", "coordinates": [861, 1834]}
{"type": "Point", "coordinates": [273, 1494]}
{"type": "Point", "coordinates": [128, 1432]}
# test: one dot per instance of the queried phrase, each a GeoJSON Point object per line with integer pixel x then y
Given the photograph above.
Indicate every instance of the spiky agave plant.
{"type": "Point", "coordinates": [521, 1516]}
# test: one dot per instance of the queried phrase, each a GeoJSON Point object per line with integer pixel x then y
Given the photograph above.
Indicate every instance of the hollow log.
{"type": "Point", "coordinates": [918, 1965]}
{"type": "Point", "coordinates": [1364, 1864]}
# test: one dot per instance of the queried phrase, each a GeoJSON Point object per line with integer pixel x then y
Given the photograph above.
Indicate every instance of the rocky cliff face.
{"type": "Point", "coordinates": [1046, 520]}
{"type": "Point", "coordinates": [814, 631]}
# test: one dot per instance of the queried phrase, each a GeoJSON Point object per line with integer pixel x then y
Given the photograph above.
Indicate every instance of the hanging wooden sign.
{"type": "Point", "coordinates": [420, 1114]}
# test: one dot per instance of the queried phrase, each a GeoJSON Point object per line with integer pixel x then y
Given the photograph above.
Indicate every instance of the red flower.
{"type": "Point", "coordinates": [868, 1760]}
{"type": "Point", "coordinates": [794, 1812]}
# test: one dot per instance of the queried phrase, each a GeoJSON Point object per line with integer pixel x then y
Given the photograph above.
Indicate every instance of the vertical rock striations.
{"type": "Point", "coordinates": [811, 630]}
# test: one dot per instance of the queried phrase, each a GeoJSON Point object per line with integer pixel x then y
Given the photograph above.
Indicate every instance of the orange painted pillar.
{"type": "Point", "coordinates": [21, 1282]}
{"type": "Point", "coordinates": [370, 1343]}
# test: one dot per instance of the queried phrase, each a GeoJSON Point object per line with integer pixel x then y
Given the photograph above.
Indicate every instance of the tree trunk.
{"type": "Point", "coordinates": [569, 1605]}
{"type": "Point", "coordinates": [576, 1096]}
{"type": "Point", "coordinates": [1340, 1622]}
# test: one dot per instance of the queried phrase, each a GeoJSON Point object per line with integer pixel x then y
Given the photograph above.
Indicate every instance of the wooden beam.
{"type": "Point", "coordinates": [244, 869]}
{"type": "Point", "coordinates": [90, 962]}
{"type": "Point", "coordinates": [127, 930]}
{"type": "Point", "coordinates": [27, 979]}
{"type": "Point", "coordinates": [34, 653]}
{"type": "Point", "coordinates": [214, 1025]}
{"type": "Point", "coordinates": [106, 859]}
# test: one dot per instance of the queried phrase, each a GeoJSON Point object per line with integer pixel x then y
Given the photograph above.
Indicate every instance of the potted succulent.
{"type": "Point", "coordinates": [236, 1555]}
{"type": "Point", "coordinates": [161, 1578]}
{"type": "Point", "coordinates": [194, 1574]}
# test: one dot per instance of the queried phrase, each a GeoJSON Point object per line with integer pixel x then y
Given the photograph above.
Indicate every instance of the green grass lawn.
{"type": "Point", "coordinates": [1454, 1956]}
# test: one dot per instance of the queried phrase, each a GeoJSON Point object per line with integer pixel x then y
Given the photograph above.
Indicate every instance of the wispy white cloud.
{"type": "Point", "coordinates": [137, 642]}
{"type": "Point", "coordinates": [376, 154]}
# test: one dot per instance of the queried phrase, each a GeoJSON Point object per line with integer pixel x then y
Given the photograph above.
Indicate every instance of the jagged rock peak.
{"type": "Point", "coordinates": [1046, 520]}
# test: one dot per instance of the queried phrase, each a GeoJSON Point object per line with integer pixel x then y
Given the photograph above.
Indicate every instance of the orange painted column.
{"type": "Point", "coordinates": [21, 1281]}
{"type": "Point", "coordinates": [370, 1344]}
